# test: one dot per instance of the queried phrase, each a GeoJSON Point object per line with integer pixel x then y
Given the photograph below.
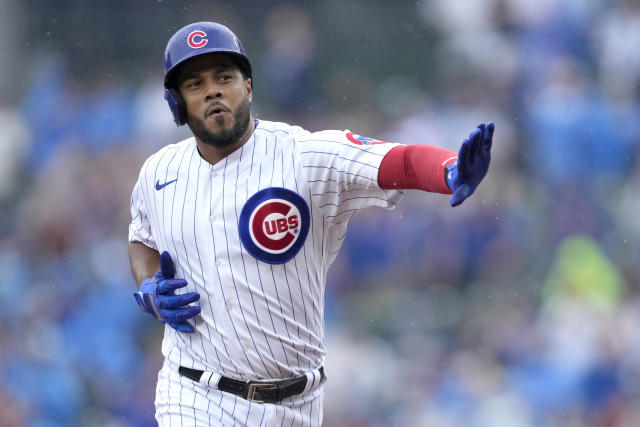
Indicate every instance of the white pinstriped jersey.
{"type": "Point", "coordinates": [255, 235]}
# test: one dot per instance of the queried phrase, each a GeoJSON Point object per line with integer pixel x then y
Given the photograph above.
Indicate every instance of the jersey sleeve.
{"type": "Point", "coordinates": [140, 226]}
{"type": "Point", "coordinates": [341, 169]}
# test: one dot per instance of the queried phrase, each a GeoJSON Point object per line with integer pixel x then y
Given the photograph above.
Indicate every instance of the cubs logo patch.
{"type": "Point", "coordinates": [197, 39]}
{"type": "Point", "coordinates": [363, 140]}
{"type": "Point", "coordinates": [274, 224]}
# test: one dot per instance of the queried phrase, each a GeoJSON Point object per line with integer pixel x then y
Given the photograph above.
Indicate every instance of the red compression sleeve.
{"type": "Point", "coordinates": [416, 167]}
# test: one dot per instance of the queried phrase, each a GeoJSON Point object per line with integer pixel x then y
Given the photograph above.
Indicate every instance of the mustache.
{"type": "Point", "coordinates": [215, 105]}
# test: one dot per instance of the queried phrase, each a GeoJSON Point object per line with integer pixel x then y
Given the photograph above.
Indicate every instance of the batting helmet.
{"type": "Point", "coordinates": [193, 40]}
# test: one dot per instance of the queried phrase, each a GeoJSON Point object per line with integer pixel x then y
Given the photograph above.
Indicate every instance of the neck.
{"type": "Point", "coordinates": [214, 154]}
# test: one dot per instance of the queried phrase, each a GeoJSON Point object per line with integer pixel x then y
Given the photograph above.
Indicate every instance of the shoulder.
{"type": "Point", "coordinates": [299, 134]}
{"type": "Point", "coordinates": [266, 127]}
{"type": "Point", "coordinates": [324, 136]}
{"type": "Point", "coordinates": [346, 140]}
{"type": "Point", "coordinates": [172, 148]}
{"type": "Point", "coordinates": [165, 153]}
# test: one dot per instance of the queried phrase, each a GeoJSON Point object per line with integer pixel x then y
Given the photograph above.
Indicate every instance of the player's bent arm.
{"type": "Point", "coordinates": [157, 291]}
{"type": "Point", "coordinates": [144, 261]}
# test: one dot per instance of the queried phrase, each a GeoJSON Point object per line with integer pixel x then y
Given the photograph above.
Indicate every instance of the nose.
{"type": "Point", "coordinates": [213, 91]}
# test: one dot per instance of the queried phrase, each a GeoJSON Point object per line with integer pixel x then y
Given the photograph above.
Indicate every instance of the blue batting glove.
{"type": "Point", "coordinates": [156, 297]}
{"type": "Point", "coordinates": [464, 176]}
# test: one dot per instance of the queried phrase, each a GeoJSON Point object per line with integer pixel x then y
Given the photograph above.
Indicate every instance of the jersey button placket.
{"type": "Point", "coordinates": [215, 203]}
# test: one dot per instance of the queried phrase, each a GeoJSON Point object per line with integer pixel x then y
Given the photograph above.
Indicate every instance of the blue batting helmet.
{"type": "Point", "coordinates": [193, 40]}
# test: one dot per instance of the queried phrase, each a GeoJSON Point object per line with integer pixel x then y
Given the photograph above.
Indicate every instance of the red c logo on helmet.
{"type": "Point", "coordinates": [197, 39]}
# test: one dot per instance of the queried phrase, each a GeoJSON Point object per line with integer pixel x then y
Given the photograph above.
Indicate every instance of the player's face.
{"type": "Point", "coordinates": [218, 99]}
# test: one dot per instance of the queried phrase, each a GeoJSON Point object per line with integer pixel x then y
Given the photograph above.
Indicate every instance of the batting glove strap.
{"type": "Point", "coordinates": [146, 298]}
{"type": "Point", "coordinates": [451, 175]}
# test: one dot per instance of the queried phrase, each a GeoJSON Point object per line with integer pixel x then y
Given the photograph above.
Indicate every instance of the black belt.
{"type": "Point", "coordinates": [256, 391]}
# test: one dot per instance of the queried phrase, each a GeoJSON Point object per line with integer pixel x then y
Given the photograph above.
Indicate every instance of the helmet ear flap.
{"type": "Point", "coordinates": [177, 105]}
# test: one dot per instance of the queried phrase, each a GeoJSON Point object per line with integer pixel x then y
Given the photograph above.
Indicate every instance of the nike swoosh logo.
{"type": "Point", "coordinates": [161, 186]}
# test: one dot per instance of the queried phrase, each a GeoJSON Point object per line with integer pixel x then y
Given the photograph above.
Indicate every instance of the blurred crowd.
{"type": "Point", "coordinates": [519, 308]}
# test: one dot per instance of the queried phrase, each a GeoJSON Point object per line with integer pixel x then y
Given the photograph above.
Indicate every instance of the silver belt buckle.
{"type": "Point", "coordinates": [254, 387]}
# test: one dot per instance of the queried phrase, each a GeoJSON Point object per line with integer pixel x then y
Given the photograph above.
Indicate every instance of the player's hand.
{"type": "Point", "coordinates": [156, 297]}
{"type": "Point", "coordinates": [464, 176]}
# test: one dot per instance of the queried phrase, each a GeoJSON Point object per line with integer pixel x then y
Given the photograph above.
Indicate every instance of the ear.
{"type": "Point", "coordinates": [249, 85]}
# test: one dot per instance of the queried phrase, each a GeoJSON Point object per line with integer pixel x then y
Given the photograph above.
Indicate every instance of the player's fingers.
{"type": "Point", "coordinates": [475, 139]}
{"type": "Point", "coordinates": [488, 136]}
{"type": "Point", "coordinates": [182, 314]}
{"type": "Point", "coordinates": [176, 301]}
{"type": "Point", "coordinates": [182, 327]}
{"type": "Point", "coordinates": [169, 285]}
{"type": "Point", "coordinates": [166, 265]}
{"type": "Point", "coordinates": [478, 131]}
{"type": "Point", "coordinates": [463, 158]}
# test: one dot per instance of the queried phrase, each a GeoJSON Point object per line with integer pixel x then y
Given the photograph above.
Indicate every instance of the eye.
{"type": "Point", "coordinates": [226, 77]}
{"type": "Point", "coordinates": [191, 83]}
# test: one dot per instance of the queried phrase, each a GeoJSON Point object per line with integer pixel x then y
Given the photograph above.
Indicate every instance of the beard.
{"type": "Point", "coordinates": [225, 137]}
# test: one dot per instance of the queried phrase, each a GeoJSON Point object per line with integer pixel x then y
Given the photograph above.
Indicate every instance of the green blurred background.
{"type": "Point", "coordinates": [519, 308]}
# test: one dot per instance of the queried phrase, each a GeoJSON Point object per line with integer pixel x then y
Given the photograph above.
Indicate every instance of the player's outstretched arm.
{"type": "Point", "coordinates": [464, 176]}
{"type": "Point", "coordinates": [156, 295]}
{"type": "Point", "coordinates": [437, 170]}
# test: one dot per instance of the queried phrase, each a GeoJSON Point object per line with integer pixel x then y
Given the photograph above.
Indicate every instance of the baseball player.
{"type": "Point", "coordinates": [234, 229]}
